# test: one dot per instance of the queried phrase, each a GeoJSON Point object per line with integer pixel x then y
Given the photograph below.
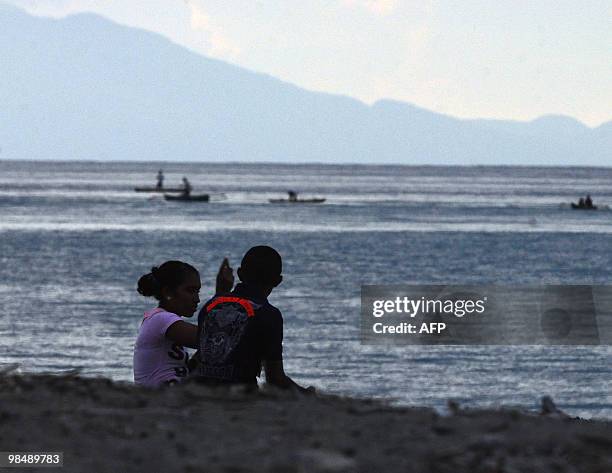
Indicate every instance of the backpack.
{"type": "Point", "coordinates": [222, 330]}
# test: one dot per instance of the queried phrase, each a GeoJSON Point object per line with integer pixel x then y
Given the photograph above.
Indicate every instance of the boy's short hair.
{"type": "Point", "coordinates": [261, 265]}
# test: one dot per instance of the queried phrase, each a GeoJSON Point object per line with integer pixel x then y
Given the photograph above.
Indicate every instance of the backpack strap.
{"type": "Point", "coordinates": [245, 303]}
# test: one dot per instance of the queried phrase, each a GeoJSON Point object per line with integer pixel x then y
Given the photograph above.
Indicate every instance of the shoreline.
{"type": "Point", "coordinates": [102, 425]}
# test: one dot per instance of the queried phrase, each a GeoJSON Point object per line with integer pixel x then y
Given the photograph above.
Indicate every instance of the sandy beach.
{"type": "Point", "coordinates": [102, 426]}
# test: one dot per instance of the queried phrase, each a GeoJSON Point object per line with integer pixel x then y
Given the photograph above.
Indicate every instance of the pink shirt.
{"type": "Point", "coordinates": [156, 358]}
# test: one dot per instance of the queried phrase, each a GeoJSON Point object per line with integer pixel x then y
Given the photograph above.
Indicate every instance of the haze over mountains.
{"type": "Point", "coordinates": [84, 87]}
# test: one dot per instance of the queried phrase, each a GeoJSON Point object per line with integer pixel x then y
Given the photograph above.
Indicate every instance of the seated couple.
{"type": "Point", "coordinates": [237, 331]}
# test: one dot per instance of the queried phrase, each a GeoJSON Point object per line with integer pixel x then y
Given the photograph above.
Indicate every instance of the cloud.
{"type": "Point", "coordinates": [199, 19]}
{"type": "Point", "coordinates": [418, 39]}
{"type": "Point", "coordinates": [218, 43]}
{"type": "Point", "coordinates": [53, 8]}
{"type": "Point", "coordinates": [378, 7]}
{"type": "Point", "coordinates": [381, 7]}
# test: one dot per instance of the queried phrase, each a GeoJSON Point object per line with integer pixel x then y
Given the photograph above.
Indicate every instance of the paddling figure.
{"type": "Point", "coordinates": [585, 203]}
{"type": "Point", "coordinates": [292, 196]}
{"type": "Point", "coordinates": [160, 180]}
{"type": "Point", "coordinates": [186, 187]}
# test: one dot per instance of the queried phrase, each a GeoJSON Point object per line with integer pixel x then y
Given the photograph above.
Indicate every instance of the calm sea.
{"type": "Point", "coordinates": [75, 237]}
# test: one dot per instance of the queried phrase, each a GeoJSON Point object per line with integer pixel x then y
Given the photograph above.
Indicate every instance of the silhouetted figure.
{"type": "Point", "coordinates": [588, 202]}
{"type": "Point", "coordinates": [292, 196]}
{"type": "Point", "coordinates": [549, 408]}
{"type": "Point", "coordinates": [581, 203]}
{"type": "Point", "coordinates": [160, 180]}
{"type": "Point", "coordinates": [240, 332]}
{"type": "Point", "coordinates": [186, 187]}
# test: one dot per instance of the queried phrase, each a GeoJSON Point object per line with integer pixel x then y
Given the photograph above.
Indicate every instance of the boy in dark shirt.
{"type": "Point", "coordinates": [241, 331]}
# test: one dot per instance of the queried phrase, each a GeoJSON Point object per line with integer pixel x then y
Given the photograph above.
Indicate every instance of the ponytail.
{"type": "Point", "coordinates": [171, 274]}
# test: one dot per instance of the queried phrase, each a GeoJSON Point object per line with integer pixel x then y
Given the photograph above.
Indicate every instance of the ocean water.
{"type": "Point", "coordinates": [75, 237]}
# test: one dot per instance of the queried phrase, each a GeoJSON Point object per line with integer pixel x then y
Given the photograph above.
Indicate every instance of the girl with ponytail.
{"type": "Point", "coordinates": [159, 354]}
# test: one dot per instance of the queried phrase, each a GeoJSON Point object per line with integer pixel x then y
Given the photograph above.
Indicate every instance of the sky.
{"type": "Point", "coordinates": [507, 59]}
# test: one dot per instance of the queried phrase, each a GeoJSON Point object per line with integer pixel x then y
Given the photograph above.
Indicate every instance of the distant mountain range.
{"type": "Point", "coordinates": [84, 87]}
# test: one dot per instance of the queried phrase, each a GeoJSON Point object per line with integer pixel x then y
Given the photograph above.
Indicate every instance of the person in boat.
{"type": "Point", "coordinates": [241, 332]}
{"type": "Point", "coordinates": [186, 187]}
{"type": "Point", "coordinates": [160, 180]}
{"type": "Point", "coordinates": [581, 203]}
{"type": "Point", "coordinates": [159, 352]}
{"type": "Point", "coordinates": [588, 202]}
{"type": "Point", "coordinates": [292, 196]}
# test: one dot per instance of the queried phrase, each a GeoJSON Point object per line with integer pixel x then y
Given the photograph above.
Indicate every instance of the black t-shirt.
{"type": "Point", "coordinates": [234, 352]}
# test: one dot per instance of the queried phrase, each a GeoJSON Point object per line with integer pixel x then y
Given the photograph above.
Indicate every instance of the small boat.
{"type": "Point", "coordinates": [296, 201]}
{"type": "Point", "coordinates": [583, 207]}
{"type": "Point", "coordinates": [158, 189]}
{"type": "Point", "coordinates": [188, 198]}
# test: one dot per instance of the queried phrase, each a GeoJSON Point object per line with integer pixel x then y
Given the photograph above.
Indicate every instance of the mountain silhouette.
{"type": "Point", "coordinates": [84, 87]}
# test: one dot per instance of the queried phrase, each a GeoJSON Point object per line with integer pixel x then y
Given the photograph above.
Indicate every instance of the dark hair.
{"type": "Point", "coordinates": [261, 265]}
{"type": "Point", "coordinates": [171, 274]}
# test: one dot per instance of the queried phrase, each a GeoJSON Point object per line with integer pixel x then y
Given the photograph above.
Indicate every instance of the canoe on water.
{"type": "Point", "coordinates": [157, 189]}
{"type": "Point", "coordinates": [583, 207]}
{"type": "Point", "coordinates": [298, 201]}
{"type": "Point", "coordinates": [188, 198]}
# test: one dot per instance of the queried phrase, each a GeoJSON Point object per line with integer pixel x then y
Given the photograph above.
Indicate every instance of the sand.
{"type": "Point", "coordinates": [103, 426]}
